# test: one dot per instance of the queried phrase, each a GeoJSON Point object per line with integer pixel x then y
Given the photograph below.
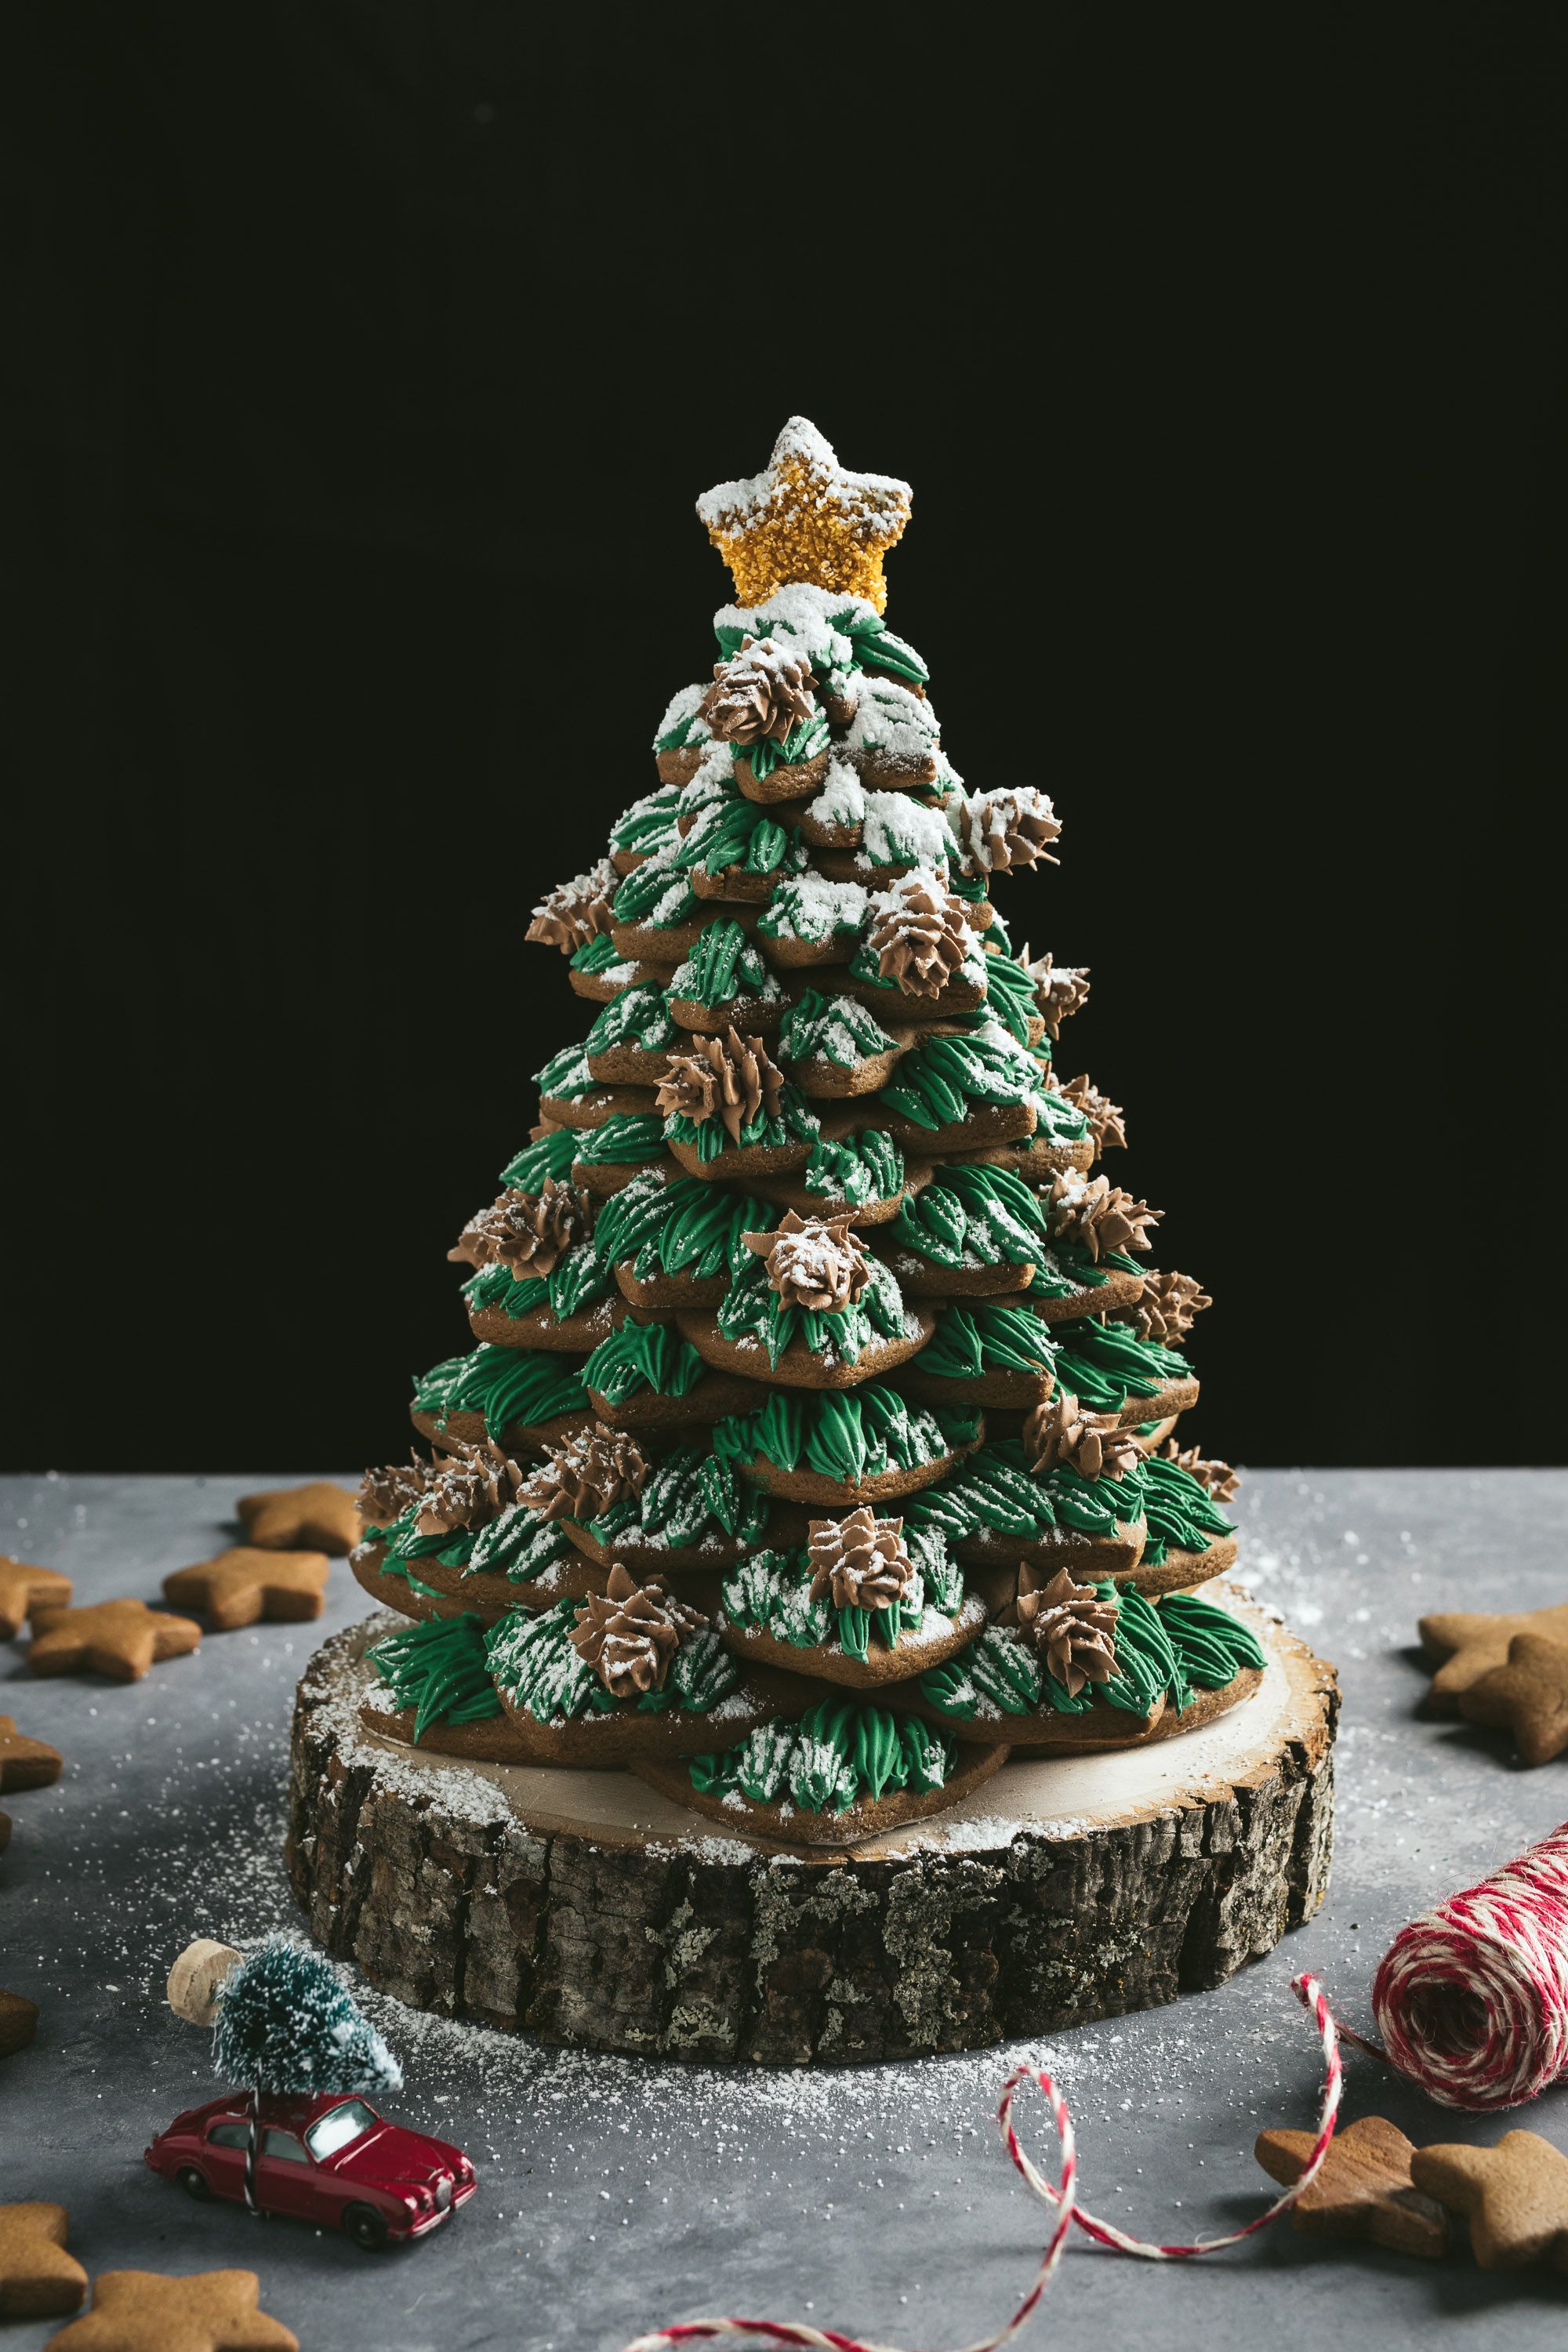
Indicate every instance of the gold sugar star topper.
{"type": "Point", "coordinates": [806, 519]}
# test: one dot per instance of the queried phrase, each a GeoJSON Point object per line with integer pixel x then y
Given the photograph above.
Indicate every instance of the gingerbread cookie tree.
{"type": "Point", "coordinates": [814, 1451]}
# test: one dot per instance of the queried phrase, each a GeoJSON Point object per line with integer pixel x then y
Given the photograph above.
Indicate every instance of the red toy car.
{"type": "Point", "coordinates": [326, 2159]}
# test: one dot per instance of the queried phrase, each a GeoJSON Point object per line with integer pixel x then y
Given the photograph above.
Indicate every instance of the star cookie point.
{"type": "Point", "coordinates": [39, 2279]}
{"type": "Point", "coordinates": [143, 2311]}
{"type": "Point", "coordinates": [1364, 2189]}
{"type": "Point", "coordinates": [246, 1583]}
{"type": "Point", "coordinates": [319, 1516]}
{"type": "Point", "coordinates": [806, 519]}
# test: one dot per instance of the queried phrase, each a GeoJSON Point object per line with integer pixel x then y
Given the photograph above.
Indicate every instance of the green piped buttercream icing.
{"type": "Point", "coordinates": [551, 1157]}
{"type": "Point", "coordinates": [643, 1356]}
{"type": "Point", "coordinates": [806, 908]}
{"type": "Point", "coordinates": [1213, 1645]}
{"type": "Point", "coordinates": [519, 1545]}
{"type": "Point", "coordinates": [596, 955]}
{"type": "Point", "coordinates": [1167, 1647]}
{"type": "Point", "coordinates": [849, 1435]}
{"type": "Point", "coordinates": [855, 1169]}
{"type": "Point", "coordinates": [935, 1083]}
{"type": "Point", "coordinates": [837, 1029]}
{"type": "Point", "coordinates": [578, 1279]}
{"type": "Point", "coordinates": [724, 963]}
{"type": "Point", "coordinates": [1180, 1511]}
{"type": "Point", "coordinates": [796, 1123]}
{"type": "Point", "coordinates": [567, 1075]}
{"type": "Point", "coordinates": [1104, 1363]}
{"type": "Point", "coordinates": [688, 1228]}
{"type": "Point", "coordinates": [839, 1751]}
{"type": "Point", "coordinates": [972, 1216]}
{"type": "Point", "coordinates": [639, 1016]}
{"type": "Point", "coordinates": [533, 1661]}
{"type": "Point", "coordinates": [995, 1491]}
{"type": "Point", "coordinates": [771, 1590]}
{"type": "Point", "coordinates": [803, 742]}
{"type": "Point", "coordinates": [649, 824]}
{"type": "Point", "coordinates": [752, 1310]}
{"type": "Point", "coordinates": [1010, 996]}
{"type": "Point", "coordinates": [735, 832]}
{"type": "Point", "coordinates": [658, 893]}
{"type": "Point", "coordinates": [981, 1335]}
{"type": "Point", "coordinates": [687, 1499]}
{"type": "Point", "coordinates": [505, 1384]}
{"type": "Point", "coordinates": [439, 1670]}
{"type": "Point", "coordinates": [624, 1141]}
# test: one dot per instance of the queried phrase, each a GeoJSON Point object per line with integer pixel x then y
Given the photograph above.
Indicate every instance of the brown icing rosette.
{"type": "Point", "coordinates": [729, 1077]}
{"type": "Point", "coordinates": [467, 1490]}
{"type": "Point", "coordinates": [1105, 1118]}
{"type": "Point", "coordinates": [1010, 827]}
{"type": "Point", "coordinates": [1089, 1442]}
{"type": "Point", "coordinates": [860, 1562]}
{"type": "Point", "coordinates": [1059, 992]}
{"type": "Point", "coordinates": [529, 1231]}
{"type": "Point", "coordinates": [1218, 1476]}
{"type": "Point", "coordinates": [575, 912]}
{"type": "Point", "coordinates": [1070, 1628]}
{"type": "Point", "coordinates": [816, 1262]}
{"type": "Point", "coordinates": [1169, 1305]}
{"type": "Point", "coordinates": [385, 1493]}
{"type": "Point", "coordinates": [761, 691]}
{"type": "Point", "coordinates": [630, 1635]}
{"type": "Point", "coordinates": [586, 1477]}
{"type": "Point", "coordinates": [918, 934]}
{"type": "Point", "coordinates": [1096, 1215]}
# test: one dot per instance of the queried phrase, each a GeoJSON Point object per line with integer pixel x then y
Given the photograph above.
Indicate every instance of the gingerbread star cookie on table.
{"type": "Point", "coordinates": [1364, 2189]}
{"type": "Point", "coordinates": [39, 2279]}
{"type": "Point", "coordinates": [316, 1517]}
{"type": "Point", "coordinates": [1468, 1642]}
{"type": "Point", "coordinates": [1527, 1694]}
{"type": "Point", "coordinates": [1515, 2196]}
{"type": "Point", "coordinates": [243, 1584]}
{"type": "Point", "coordinates": [142, 2311]}
{"type": "Point", "coordinates": [26, 1763]}
{"type": "Point", "coordinates": [117, 1638]}
{"type": "Point", "coordinates": [23, 1588]}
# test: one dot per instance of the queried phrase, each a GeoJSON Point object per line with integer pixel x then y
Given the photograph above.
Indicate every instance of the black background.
{"type": "Point", "coordinates": [366, 361]}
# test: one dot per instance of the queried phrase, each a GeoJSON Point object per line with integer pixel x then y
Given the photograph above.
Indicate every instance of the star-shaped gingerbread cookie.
{"type": "Point", "coordinates": [244, 1584]}
{"type": "Point", "coordinates": [1468, 1644]}
{"type": "Point", "coordinates": [318, 1517]}
{"type": "Point", "coordinates": [39, 2279]}
{"type": "Point", "coordinates": [23, 1588]}
{"type": "Point", "coordinates": [26, 1763]}
{"type": "Point", "coordinates": [1364, 2189]}
{"type": "Point", "coordinates": [1515, 2195]}
{"type": "Point", "coordinates": [19, 2022]}
{"type": "Point", "coordinates": [142, 2311]}
{"type": "Point", "coordinates": [119, 1638]}
{"type": "Point", "coordinates": [1528, 1694]}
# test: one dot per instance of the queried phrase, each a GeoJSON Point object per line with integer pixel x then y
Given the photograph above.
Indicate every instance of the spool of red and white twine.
{"type": "Point", "coordinates": [1471, 1999]}
{"type": "Point", "coordinates": [1472, 2003]}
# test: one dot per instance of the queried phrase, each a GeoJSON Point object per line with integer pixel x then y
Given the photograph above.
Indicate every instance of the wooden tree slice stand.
{"type": "Point", "coordinates": [589, 1909]}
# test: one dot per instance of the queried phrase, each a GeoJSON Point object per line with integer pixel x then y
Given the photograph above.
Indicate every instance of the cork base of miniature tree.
{"type": "Point", "coordinates": [590, 1910]}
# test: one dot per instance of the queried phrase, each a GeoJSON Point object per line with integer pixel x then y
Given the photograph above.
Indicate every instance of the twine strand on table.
{"type": "Point", "coordinates": [1059, 2198]}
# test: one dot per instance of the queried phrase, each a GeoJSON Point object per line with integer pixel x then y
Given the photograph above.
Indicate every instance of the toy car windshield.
{"type": "Point", "coordinates": [337, 2127]}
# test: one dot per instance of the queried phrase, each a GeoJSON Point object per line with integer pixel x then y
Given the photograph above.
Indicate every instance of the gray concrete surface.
{"type": "Point", "coordinates": [615, 2195]}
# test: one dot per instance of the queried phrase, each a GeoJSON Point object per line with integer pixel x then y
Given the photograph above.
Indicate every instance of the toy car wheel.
{"type": "Point", "coordinates": [194, 2183]}
{"type": "Point", "coordinates": [366, 2226]}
